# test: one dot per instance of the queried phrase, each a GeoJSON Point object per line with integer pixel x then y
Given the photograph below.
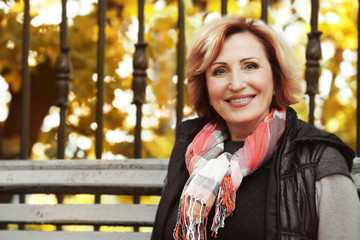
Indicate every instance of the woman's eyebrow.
{"type": "Point", "coordinates": [218, 63]}
{"type": "Point", "coordinates": [248, 58]}
{"type": "Point", "coordinates": [241, 61]}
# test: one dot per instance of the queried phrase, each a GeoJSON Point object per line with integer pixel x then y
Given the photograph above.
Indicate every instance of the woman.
{"type": "Point", "coordinates": [248, 168]}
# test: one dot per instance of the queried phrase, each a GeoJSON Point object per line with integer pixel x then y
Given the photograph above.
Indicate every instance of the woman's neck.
{"type": "Point", "coordinates": [240, 132]}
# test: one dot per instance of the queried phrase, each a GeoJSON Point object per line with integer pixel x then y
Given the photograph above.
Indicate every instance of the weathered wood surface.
{"type": "Point", "coordinates": [37, 235]}
{"type": "Point", "coordinates": [133, 177]}
{"type": "Point", "coordinates": [79, 214]}
{"type": "Point", "coordinates": [155, 164]}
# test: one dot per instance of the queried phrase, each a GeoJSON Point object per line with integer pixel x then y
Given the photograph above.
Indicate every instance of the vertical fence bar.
{"type": "Point", "coordinates": [180, 65]}
{"type": "Point", "coordinates": [139, 84]}
{"type": "Point", "coordinates": [62, 87]}
{"type": "Point", "coordinates": [25, 92]}
{"type": "Point", "coordinates": [264, 10]}
{"type": "Point", "coordinates": [139, 80]}
{"type": "Point", "coordinates": [62, 81]}
{"type": "Point", "coordinates": [224, 7]}
{"type": "Point", "coordinates": [100, 88]}
{"type": "Point", "coordinates": [313, 56]}
{"type": "Point", "coordinates": [358, 90]}
{"type": "Point", "coordinates": [100, 77]}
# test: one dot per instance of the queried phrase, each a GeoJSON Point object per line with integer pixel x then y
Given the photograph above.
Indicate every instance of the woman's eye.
{"type": "Point", "coordinates": [250, 67]}
{"type": "Point", "coordinates": [219, 71]}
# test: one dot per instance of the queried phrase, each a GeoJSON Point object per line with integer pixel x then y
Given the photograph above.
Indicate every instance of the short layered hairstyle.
{"type": "Point", "coordinates": [208, 45]}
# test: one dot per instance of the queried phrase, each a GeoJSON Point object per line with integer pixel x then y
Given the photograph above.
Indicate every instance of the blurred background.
{"type": "Point", "coordinates": [335, 104]}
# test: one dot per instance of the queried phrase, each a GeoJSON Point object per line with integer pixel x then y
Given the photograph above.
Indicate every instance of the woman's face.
{"type": "Point", "coordinates": [240, 84]}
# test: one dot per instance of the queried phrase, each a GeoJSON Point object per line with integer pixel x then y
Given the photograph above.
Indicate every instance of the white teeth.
{"type": "Point", "coordinates": [240, 100]}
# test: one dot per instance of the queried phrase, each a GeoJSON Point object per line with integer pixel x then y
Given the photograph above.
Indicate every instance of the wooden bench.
{"type": "Point", "coordinates": [119, 177]}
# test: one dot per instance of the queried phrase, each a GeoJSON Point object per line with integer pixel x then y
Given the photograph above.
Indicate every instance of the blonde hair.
{"type": "Point", "coordinates": [206, 48]}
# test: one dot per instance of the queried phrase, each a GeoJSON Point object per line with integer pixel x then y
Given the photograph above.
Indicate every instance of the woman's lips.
{"type": "Point", "coordinates": [240, 101]}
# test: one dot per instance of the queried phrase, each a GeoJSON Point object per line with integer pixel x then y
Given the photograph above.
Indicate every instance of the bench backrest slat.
{"type": "Point", "coordinates": [37, 235]}
{"type": "Point", "coordinates": [83, 176]}
{"type": "Point", "coordinates": [102, 214]}
{"type": "Point", "coordinates": [127, 181]}
{"type": "Point", "coordinates": [153, 164]}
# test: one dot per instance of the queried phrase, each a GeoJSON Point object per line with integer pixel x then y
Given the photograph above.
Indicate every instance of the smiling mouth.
{"type": "Point", "coordinates": [239, 100]}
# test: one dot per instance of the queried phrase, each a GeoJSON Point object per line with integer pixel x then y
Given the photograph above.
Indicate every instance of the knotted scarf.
{"type": "Point", "coordinates": [215, 175]}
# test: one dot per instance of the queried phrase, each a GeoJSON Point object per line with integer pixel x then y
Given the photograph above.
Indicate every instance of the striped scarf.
{"type": "Point", "coordinates": [215, 175]}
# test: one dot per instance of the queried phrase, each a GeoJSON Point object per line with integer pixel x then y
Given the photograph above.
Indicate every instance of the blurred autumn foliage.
{"type": "Point", "coordinates": [336, 102]}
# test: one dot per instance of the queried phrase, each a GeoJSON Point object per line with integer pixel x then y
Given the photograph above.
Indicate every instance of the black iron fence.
{"type": "Point", "coordinates": [312, 72]}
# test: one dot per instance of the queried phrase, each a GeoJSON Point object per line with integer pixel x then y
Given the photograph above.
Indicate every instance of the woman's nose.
{"type": "Point", "coordinates": [236, 81]}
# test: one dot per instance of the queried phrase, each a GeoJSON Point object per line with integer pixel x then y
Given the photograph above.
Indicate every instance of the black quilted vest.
{"type": "Point", "coordinates": [291, 209]}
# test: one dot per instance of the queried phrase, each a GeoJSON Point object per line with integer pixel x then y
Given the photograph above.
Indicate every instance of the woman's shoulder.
{"type": "Point", "coordinates": [305, 134]}
{"type": "Point", "coordinates": [190, 127]}
{"type": "Point", "coordinates": [310, 134]}
{"type": "Point", "coordinates": [185, 133]}
{"type": "Point", "coordinates": [301, 130]}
